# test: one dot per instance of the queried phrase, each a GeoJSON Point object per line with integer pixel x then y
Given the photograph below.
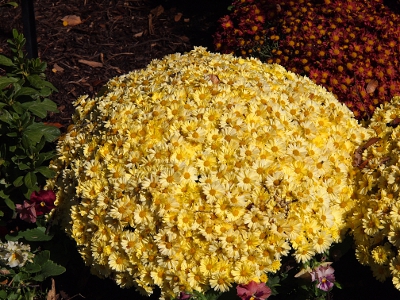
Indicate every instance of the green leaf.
{"type": "Point", "coordinates": [12, 134]}
{"type": "Point", "coordinates": [21, 277]}
{"type": "Point", "coordinates": [23, 167]}
{"type": "Point", "coordinates": [42, 257]}
{"type": "Point", "coordinates": [31, 268]}
{"type": "Point", "coordinates": [3, 294]}
{"type": "Point", "coordinates": [10, 203]}
{"type": "Point", "coordinates": [36, 81]}
{"type": "Point", "coordinates": [338, 285]}
{"type": "Point", "coordinates": [49, 268]}
{"type": "Point", "coordinates": [2, 194]}
{"type": "Point", "coordinates": [5, 61]}
{"type": "Point", "coordinates": [19, 181]}
{"type": "Point", "coordinates": [26, 91]}
{"type": "Point", "coordinates": [39, 108]}
{"type": "Point", "coordinates": [6, 117]}
{"type": "Point", "coordinates": [30, 180]}
{"type": "Point", "coordinates": [15, 4]}
{"type": "Point", "coordinates": [45, 171]}
{"type": "Point", "coordinates": [6, 81]}
{"type": "Point", "coordinates": [37, 234]}
{"type": "Point", "coordinates": [35, 132]}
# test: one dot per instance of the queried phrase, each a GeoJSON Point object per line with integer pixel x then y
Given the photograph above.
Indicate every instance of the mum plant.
{"type": "Point", "coordinates": [375, 218]}
{"type": "Point", "coordinates": [349, 47]}
{"type": "Point", "coordinates": [25, 151]}
{"type": "Point", "coordinates": [203, 171]}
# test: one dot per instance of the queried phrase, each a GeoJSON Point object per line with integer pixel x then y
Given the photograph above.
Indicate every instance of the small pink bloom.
{"type": "Point", "coordinates": [44, 201]}
{"type": "Point", "coordinates": [324, 275]}
{"type": "Point", "coordinates": [26, 211]}
{"type": "Point", "coordinates": [253, 290]}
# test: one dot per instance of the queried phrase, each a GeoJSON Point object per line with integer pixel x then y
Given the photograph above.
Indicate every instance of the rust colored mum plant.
{"type": "Point", "coordinates": [350, 47]}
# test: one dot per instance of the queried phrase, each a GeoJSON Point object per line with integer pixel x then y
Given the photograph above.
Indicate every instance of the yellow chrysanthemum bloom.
{"type": "Point", "coordinates": [375, 219]}
{"type": "Point", "coordinates": [203, 170]}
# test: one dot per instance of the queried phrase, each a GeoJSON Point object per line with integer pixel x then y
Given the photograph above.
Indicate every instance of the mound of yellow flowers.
{"type": "Point", "coordinates": [204, 170]}
{"type": "Point", "coordinates": [375, 221]}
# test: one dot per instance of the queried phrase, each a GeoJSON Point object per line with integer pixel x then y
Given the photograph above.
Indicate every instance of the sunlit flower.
{"type": "Point", "coordinates": [221, 180]}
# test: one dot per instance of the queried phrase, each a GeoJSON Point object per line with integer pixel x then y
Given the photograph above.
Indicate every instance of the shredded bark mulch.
{"type": "Point", "coordinates": [112, 38]}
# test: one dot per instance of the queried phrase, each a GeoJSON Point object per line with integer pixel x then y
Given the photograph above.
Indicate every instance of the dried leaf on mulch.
{"type": "Point", "coordinates": [71, 20]}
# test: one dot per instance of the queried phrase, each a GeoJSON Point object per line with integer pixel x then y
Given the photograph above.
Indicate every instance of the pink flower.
{"type": "Point", "coordinates": [324, 275]}
{"type": "Point", "coordinates": [27, 211]}
{"type": "Point", "coordinates": [184, 296]}
{"type": "Point", "coordinates": [44, 201]}
{"type": "Point", "coordinates": [253, 291]}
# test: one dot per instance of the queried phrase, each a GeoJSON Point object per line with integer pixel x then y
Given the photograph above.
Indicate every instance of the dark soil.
{"type": "Point", "coordinates": [124, 36]}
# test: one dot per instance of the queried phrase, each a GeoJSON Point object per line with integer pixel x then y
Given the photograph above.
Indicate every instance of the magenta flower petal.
{"type": "Point", "coordinates": [44, 201]}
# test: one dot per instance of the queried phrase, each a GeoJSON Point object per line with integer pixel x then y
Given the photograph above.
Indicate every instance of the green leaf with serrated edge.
{"type": "Point", "coordinates": [45, 171]}
{"type": "Point", "coordinates": [6, 81]}
{"type": "Point", "coordinates": [13, 237]}
{"type": "Point", "coordinates": [49, 268]}
{"type": "Point", "coordinates": [30, 180]}
{"type": "Point", "coordinates": [19, 181]}
{"type": "Point", "coordinates": [10, 203]}
{"type": "Point", "coordinates": [31, 268]}
{"type": "Point", "coordinates": [41, 257]}
{"type": "Point", "coordinates": [21, 276]}
{"type": "Point", "coordinates": [36, 234]}
{"type": "Point", "coordinates": [5, 61]}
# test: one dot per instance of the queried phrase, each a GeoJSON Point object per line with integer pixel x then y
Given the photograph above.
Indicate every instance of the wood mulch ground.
{"type": "Point", "coordinates": [113, 38]}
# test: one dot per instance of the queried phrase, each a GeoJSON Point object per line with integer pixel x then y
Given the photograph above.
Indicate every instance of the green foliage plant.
{"type": "Point", "coordinates": [25, 151]}
{"type": "Point", "coordinates": [25, 140]}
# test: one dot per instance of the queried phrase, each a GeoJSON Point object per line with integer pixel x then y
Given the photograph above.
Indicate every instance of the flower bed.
{"type": "Point", "coordinates": [350, 47]}
{"type": "Point", "coordinates": [375, 217]}
{"type": "Point", "coordinates": [204, 170]}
